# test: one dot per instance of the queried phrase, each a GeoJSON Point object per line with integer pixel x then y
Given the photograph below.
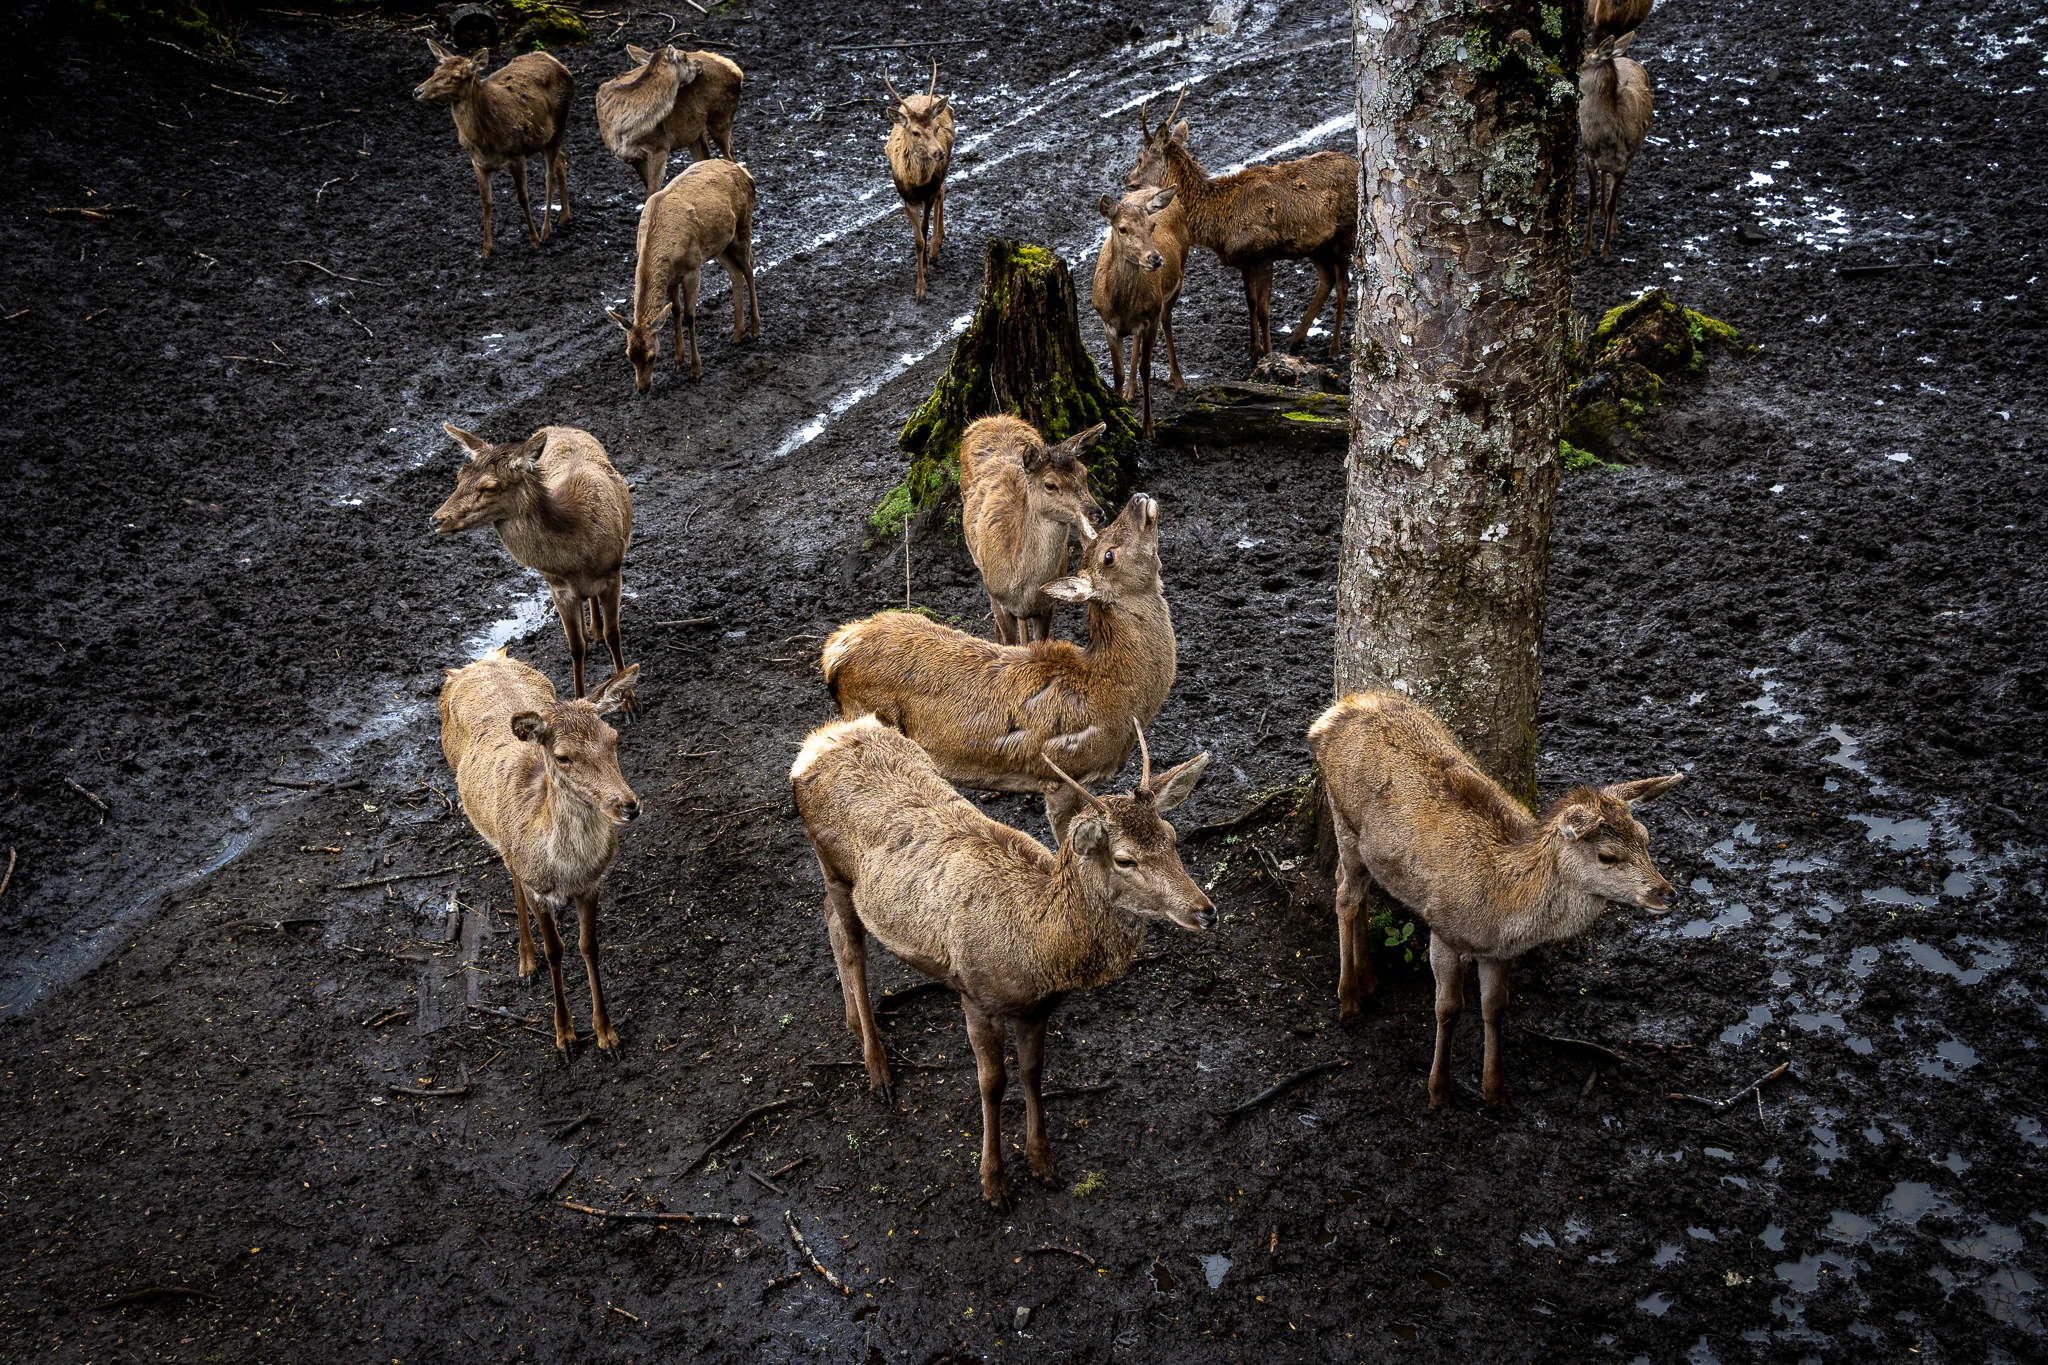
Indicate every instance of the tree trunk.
{"type": "Point", "coordinates": [1021, 355]}
{"type": "Point", "coordinates": [1468, 152]}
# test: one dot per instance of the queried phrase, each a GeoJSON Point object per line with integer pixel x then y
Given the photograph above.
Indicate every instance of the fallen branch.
{"type": "Point", "coordinates": [388, 1017]}
{"type": "Point", "coordinates": [378, 284]}
{"type": "Point", "coordinates": [763, 1181]}
{"type": "Point", "coordinates": [621, 1312]}
{"type": "Point", "coordinates": [690, 621]}
{"type": "Point", "coordinates": [563, 1130]}
{"type": "Point", "coordinates": [405, 877]}
{"type": "Point", "coordinates": [98, 211]}
{"type": "Point", "coordinates": [779, 1281]}
{"type": "Point", "coordinates": [1272, 1093]}
{"type": "Point", "coordinates": [1587, 1044]}
{"type": "Point", "coordinates": [735, 1126]}
{"type": "Point", "coordinates": [1245, 817]}
{"type": "Point", "coordinates": [158, 1291]}
{"type": "Point", "coordinates": [803, 1249]}
{"type": "Point", "coordinates": [276, 926]}
{"type": "Point", "coordinates": [738, 1220]}
{"type": "Point", "coordinates": [104, 812]}
{"type": "Point", "coordinates": [418, 1093]}
{"type": "Point", "coordinates": [787, 1167]}
{"type": "Point", "coordinates": [1083, 1257]}
{"type": "Point", "coordinates": [1721, 1106]}
{"type": "Point", "coordinates": [10, 872]}
{"type": "Point", "coordinates": [562, 1179]}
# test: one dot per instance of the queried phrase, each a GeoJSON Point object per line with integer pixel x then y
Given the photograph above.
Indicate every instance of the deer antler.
{"type": "Point", "coordinates": [1143, 131]}
{"type": "Point", "coordinates": [1094, 801]}
{"type": "Point", "coordinates": [933, 92]}
{"type": "Point", "coordinates": [1144, 758]}
{"type": "Point", "coordinates": [894, 93]}
{"type": "Point", "coordinates": [1176, 108]}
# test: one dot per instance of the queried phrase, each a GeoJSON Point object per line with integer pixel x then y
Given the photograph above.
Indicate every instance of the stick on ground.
{"type": "Point", "coordinates": [738, 1220]}
{"type": "Point", "coordinates": [1721, 1106]}
{"type": "Point", "coordinates": [405, 877]}
{"type": "Point", "coordinates": [1049, 1249]}
{"type": "Point", "coordinates": [735, 1126]}
{"type": "Point", "coordinates": [104, 812]}
{"type": "Point", "coordinates": [158, 1291]}
{"type": "Point", "coordinates": [452, 1092]}
{"type": "Point", "coordinates": [10, 873]}
{"type": "Point", "coordinates": [803, 1249]}
{"type": "Point", "coordinates": [1267, 1096]}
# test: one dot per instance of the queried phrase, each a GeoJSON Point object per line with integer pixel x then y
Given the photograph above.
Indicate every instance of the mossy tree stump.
{"type": "Point", "coordinates": [1021, 355]}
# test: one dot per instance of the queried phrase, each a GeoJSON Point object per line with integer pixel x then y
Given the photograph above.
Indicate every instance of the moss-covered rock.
{"type": "Point", "coordinates": [1623, 367]}
{"type": "Point", "coordinates": [539, 24]}
{"type": "Point", "coordinates": [197, 24]}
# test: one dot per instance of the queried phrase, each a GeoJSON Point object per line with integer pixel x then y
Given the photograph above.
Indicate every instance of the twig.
{"type": "Point", "coordinates": [779, 1281]}
{"type": "Point", "coordinates": [276, 926]}
{"type": "Point", "coordinates": [738, 1220]}
{"type": "Point", "coordinates": [697, 7]}
{"type": "Point", "coordinates": [562, 1179]}
{"type": "Point", "coordinates": [787, 1168]}
{"type": "Point", "coordinates": [918, 1207]}
{"type": "Point", "coordinates": [1076, 1090]}
{"type": "Point", "coordinates": [891, 47]}
{"type": "Point", "coordinates": [621, 1312]}
{"type": "Point", "coordinates": [98, 211]}
{"type": "Point", "coordinates": [1588, 1045]}
{"type": "Point", "coordinates": [1721, 1106]}
{"type": "Point", "coordinates": [282, 96]}
{"type": "Point", "coordinates": [1272, 1093]}
{"type": "Point", "coordinates": [763, 1181]}
{"type": "Point", "coordinates": [157, 1291]}
{"type": "Point", "coordinates": [380, 284]}
{"type": "Point", "coordinates": [261, 360]}
{"type": "Point", "coordinates": [418, 1093]}
{"type": "Point", "coordinates": [803, 1249]}
{"type": "Point", "coordinates": [356, 320]}
{"type": "Point", "coordinates": [1083, 1257]}
{"type": "Point", "coordinates": [388, 1017]}
{"type": "Point", "coordinates": [502, 1012]}
{"type": "Point", "coordinates": [405, 877]}
{"type": "Point", "coordinates": [892, 999]}
{"type": "Point", "coordinates": [104, 812]}
{"type": "Point", "coordinates": [907, 519]}
{"type": "Point", "coordinates": [691, 621]}
{"type": "Point", "coordinates": [571, 1126]}
{"type": "Point", "coordinates": [735, 1126]}
{"type": "Point", "coordinates": [10, 872]}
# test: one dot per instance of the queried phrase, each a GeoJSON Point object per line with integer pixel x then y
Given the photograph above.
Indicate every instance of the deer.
{"type": "Point", "coordinates": [1612, 18]}
{"type": "Point", "coordinates": [1018, 497]}
{"type": "Point", "coordinates": [707, 211]}
{"type": "Point", "coordinates": [561, 510]}
{"type": "Point", "coordinates": [1305, 209]}
{"type": "Point", "coordinates": [983, 908]}
{"type": "Point", "coordinates": [519, 110]}
{"type": "Point", "coordinates": [920, 152]}
{"type": "Point", "coordinates": [986, 712]}
{"type": "Point", "coordinates": [1415, 814]}
{"type": "Point", "coordinates": [1138, 275]}
{"type": "Point", "coordinates": [669, 99]}
{"type": "Point", "coordinates": [1614, 118]}
{"type": "Point", "coordinates": [540, 781]}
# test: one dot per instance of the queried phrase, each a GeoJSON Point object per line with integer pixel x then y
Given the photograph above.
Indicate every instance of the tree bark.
{"type": "Point", "coordinates": [1468, 154]}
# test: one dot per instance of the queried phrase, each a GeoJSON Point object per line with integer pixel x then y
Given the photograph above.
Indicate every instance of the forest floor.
{"type": "Point", "coordinates": [1819, 593]}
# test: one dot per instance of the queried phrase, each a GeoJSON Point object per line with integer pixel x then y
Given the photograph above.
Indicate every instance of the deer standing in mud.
{"type": "Point", "coordinates": [561, 510]}
{"type": "Point", "coordinates": [1009, 925]}
{"type": "Point", "coordinates": [989, 713]}
{"type": "Point", "coordinates": [1018, 496]}
{"type": "Point", "coordinates": [540, 780]}
{"type": "Point", "coordinates": [1416, 815]}
{"type": "Point", "coordinates": [920, 152]}
{"type": "Point", "coordinates": [1137, 282]}
{"type": "Point", "coordinates": [670, 99]}
{"type": "Point", "coordinates": [1614, 118]}
{"type": "Point", "coordinates": [519, 110]}
{"type": "Point", "coordinates": [1305, 209]}
{"type": "Point", "coordinates": [707, 211]}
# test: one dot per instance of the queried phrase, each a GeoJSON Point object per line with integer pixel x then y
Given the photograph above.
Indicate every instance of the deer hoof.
{"type": "Point", "coordinates": [608, 1040]}
{"type": "Point", "coordinates": [996, 1194]}
{"type": "Point", "coordinates": [1044, 1169]}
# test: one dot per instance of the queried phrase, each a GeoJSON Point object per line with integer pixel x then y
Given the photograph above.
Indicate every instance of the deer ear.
{"type": "Point", "coordinates": [1106, 206]}
{"type": "Point", "coordinates": [1577, 821]}
{"type": "Point", "coordinates": [1078, 588]}
{"type": "Point", "coordinates": [624, 326]}
{"type": "Point", "coordinates": [687, 71]}
{"type": "Point", "coordinates": [931, 115]}
{"type": "Point", "coordinates": [526, 459]}
{"type": "Point", "coordinates": [1088, 834]}
{"type": "Point", "coordinates": [1082, 441]}
{"type": "Point", "coordinates": [1180, 132]}
{"type": "Point", "coordinates": [482, 56]}
{"type": "Point", "coordinates": [441, 54]}
{"type": "Point", "coordinates": [660, 317]}
{"type": "Point", "coordinates": [1176, 785]}
{"type": "Point", "coordinates": [637, 55]}
{"type": "Point", "coordinates": [1621, 43]}
{"type": "Point", "coordinates": [1160, 200]}
{"type": "Point", "coordinates": [1037, 458]}
{"type": "Point", "coordinates": [617, 692]}
{"type": "Point", "coordinates": [1644, 788]}
{"type": "Point", "coordinates": [532, 728]}
{"type": "Point", "coordinates": [468, 440]}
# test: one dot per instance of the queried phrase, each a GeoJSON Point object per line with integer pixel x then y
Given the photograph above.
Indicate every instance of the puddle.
{"type": "Point", "coordinates": [1668, 1253]}
{"type": "Point", "coordinates": [1163, 1281]}
{"type": "Point", "coordinates": [1992, 956]}
{"type": "Point", "coordinates": [1734, 917]}
{"type": "Point", "coordinates": [1436, 1279]}
{"type": "Point", "coordinates": [1901, 834]}
{"type": "Point", "coordinates": [1214, 1268]}
{"type": "Point", "coordinates": [1804, 1274]}
{"type": "Point", "coordinates": [1735, 1035]}
{"type": "Point", "coordinates": [1404, 1331]}
{"type": "Point", "coordinates": [527, 615]}
{"type": "Point", "coordinates": [1657, 1305]}
{"type": "Point", "coordinates": [1850, 1228]}
{"type": "Point", "coordinates": [1951, 1059]}
{"type": "Point", "coordinates": [1894, 895]}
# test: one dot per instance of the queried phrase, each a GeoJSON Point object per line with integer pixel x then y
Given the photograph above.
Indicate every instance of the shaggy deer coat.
{"type": "Point", "coordinates": [1018, 497]}
{"type": "Point", "coordinates": [707, 211]}
{"type": "Point", "coordinates": [519, 110]}
{"type": "Point", "coordinates": [1612, 18]}
{"type": "Point", "coordinates": [670, 99]}
{"type": "Point", "coordinates": [1614, 118]}
{"type": "Point", "coordinates": [920, 152]}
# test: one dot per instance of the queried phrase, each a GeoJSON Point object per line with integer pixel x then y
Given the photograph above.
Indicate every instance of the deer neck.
{"type": "Point", "coordinates": [538, 521]}
{"type": "Point", "coordinates": [1085, 941]}
{"type": "Point", "coordinates": [573, 839]}
{"type": "Point", "coordinates": [1200, 200]}
{"type": "Point", "coordinates": [1600, 82]}
{"type": "Point", "coordinates": [1534, 903]}
{"type": "Point", "coordinates": [1131, 644]}
{"type": "Point", "coordinates": [478, 118]}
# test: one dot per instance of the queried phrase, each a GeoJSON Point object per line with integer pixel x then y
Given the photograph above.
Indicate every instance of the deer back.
{"type": "Point", "coordinates": [708, 102]}
{"type": "Point", "coordinates": [521, 110]}
{"type": "Point", "coordinates": [1614, 107]}
{"type": "Point", "coordinates": [632, 109]}
{"type": "Point", "coordinates": [581, 531]}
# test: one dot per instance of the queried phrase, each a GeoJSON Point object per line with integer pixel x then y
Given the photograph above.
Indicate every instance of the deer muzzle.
{"type": "Point", "coordinates": [1154, 261]}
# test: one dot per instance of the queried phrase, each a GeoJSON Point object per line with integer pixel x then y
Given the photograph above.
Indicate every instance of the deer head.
{"type": "Point", "coordinates": [1151, 164]}
{"type": "Point", "coordinates": [1122, 563]}
{"type": "Point", "coordinates": [1603, 849]}
{"type": "Point", "coordinates": [918, 115]}
{"type": "Point", "coordinates": [454, 75]}
{"type": "Point", "coordinates": [1128, 852]}
{"type": "Point", "coordinates": [641, 346]}
{"type": "Point", "coordinates": [491, 483]}
{"type": "Point", "coordinates": [1132, 223]}
{"type": "Point", "coordinates": [580, 751]}
{"type": "Point", "coordinates": [1056, 482]}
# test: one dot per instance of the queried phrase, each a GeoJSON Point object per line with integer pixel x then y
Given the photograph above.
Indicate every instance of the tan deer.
{"type": "Point", "coordinates": [519, 110]}
{"type": "Point", "coordinates": [920, 152]}
{"type": "Point", "coordinates": [1010, 926]}
{"type": "Point", "coordinates": [707, 211]}
{"type": "Point", "coordinates": [1018, 496]}
{"type": "Point", "coordinates": [669, 99]}
{"type": "Point", "coordinates": [540, 780]}
{"type": "Point", "coordinates": [1612, 18]}
{"type": "Point", "coordinates": [1614, 118]}
{"type": "Point", "coordinates": [1415, 814]}
{"type": "Point", "coordinates": [1305, 209]}
{"type": "Point", "coordinates": [560, 510]}
{"type": "Point", "coordinates": [987, 712]}
{"type": "Point", "coordinates": [1137, 282]}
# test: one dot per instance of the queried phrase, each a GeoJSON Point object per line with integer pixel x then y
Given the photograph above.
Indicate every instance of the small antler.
{"type": "Point", "coordinates": [933, 92]}
{"type": "Point", "coordinates": [1094, 801]}
{"type": "Point", "coordinates": [1176, 108]}
{"type": "Point", "coordinates": [1144, 759]}
{"type": "Point", "coordinates": [1143, 132]}
{"type": "Point", "coordinates": [893, 91]}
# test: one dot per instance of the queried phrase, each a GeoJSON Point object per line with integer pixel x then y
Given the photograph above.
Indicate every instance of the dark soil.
{"type": "Point", "coordinates": [215, 513]}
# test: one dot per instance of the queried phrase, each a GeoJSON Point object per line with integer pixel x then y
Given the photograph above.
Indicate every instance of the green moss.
{"type": "Point", "coordinates": [1091, 1182]}
{"type": "Point", "coordinates": [547, 24]}
{"type": "Point", "coordinates": [1577, 461]}
{"type": "Point", "coordinates": [1322, 418]}
{"type": "Point", "coordinates": [1706, 330]}
{"type": "Point", "coordinates": [184, 18]}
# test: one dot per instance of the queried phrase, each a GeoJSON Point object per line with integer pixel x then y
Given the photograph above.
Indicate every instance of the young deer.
{"type": "Point", "coordinates": [1291, 210]}
{"type": "Point", "coordinates": [540, 780]}
{"type": "Point", "coordinates": [707, 211]}
{"type": "Point", "coordinates": [1614, 118]}
{"type": "Point", "coordinates": [984, 908]}
{"type": "Point", "coordinates": [987, 712]}
{"type": "Point", "coordinates": [670, 99]}
{"type": "Point", "coordinates": [1018, 497]}
{"type": "Point", "coordinates": [1612, 18]}
{"type": "Point", "coordinates": [1137, 282]}
{"type": "Point", "coordinates": [519, 110]}
{"type": "Point", "coordinates": [920, 151]}
{"type": "Point", "coordinates": [1415, 813]}
{"type": "Point", "coordinates": [562, 511]}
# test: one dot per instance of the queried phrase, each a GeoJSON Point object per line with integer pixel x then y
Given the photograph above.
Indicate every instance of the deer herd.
{"type": "Point", "coordinates": [1009, 924]}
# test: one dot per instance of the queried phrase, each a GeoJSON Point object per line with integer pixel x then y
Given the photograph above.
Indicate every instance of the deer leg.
{"type": "Point", "coordinates": [1006, 624]}
{"type": "Point", "coordinates": [738, 277]}
{"type": "Point", "coordinates": [518, 169]}
{"type": "Point", "coordinates": [1343, 293]}
{"type": "Point", "coordinates": [701, 148]}
{"type": "Point", "coordinates": [1592, 205]}
{"type": "Point", "coordinates": [547, 194]}
{"type": "Point", "coordinates": [483, 193]}
{"type": "Point", "coordinates": [1116, 360]}
{"type": "Point", "coordinates": [519, 903]}
{"type": "Point", "coordinates": [1143, 360]}
{"type": "Point", "coordinates": [586, 943]}
{"type": "Point", "coordinates": [1030, 1067]}
{"type": "Point", "coordinates": [1449, 969]}
{"type": "Point", "coordinates": [608, 598]}
{"type": "Point", "coordinates": [850, 949]}
{"type": "Point", "coordinates": [1251, 303]}
{"type": "Point", "coordinates": [1355, 976]}
{"type": "Point", "coordinates": [675, 319]}
{"type": "Point", "coordinates": [723, 136]}
{"type": "Point", "coordinates": [986, 1033]}
{"type": "Point", "coordinates": [1613, 213]}
{"type": "Point", "coordinates": [1172, 351]}
{"type": "Point", "coordinates": [551, 942]}
{"type": "Point", "coordinates": [569, 607]}
{"type": "Point", "coordinates": [747, 260]}
{"type": "Point", "coordinates": [691, 279]}
{"type": "Point", "coordinates": [1325, 279]}
{"type": "Point", "coordinates": [1493, 1003]}
{"type": "Point", "coordinates": [652, 164]}
{"type": "Point", "coordinates": [561, 161]}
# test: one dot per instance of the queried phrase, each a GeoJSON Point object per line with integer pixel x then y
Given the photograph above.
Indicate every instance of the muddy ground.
{"type": "Point", "coordinates": [1819, 594]}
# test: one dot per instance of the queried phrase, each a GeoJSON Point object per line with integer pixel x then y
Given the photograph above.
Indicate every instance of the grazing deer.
{"type": "Point", "coordinates": [707, 211]}
{"type": "Point", "coordinates": [987, 712]}
{"type": "Point", "coordinates": [1415, 813]}
{"type": "Point", "coordinates": [669, 99]}
{"type": "Point", "coordinates": [1137, 282]}
{"type": "Point", "coordinates": [1612, 18]}
{"type": "Point", "coordinates": [1291, 210]}
{"type": "Point", "coordinates": [1614, 118]}
{"type": "Point", "coordinates": [562, 511]}
{"type": "Point", "coordinates": [540, 780]}
{"type": "Point", "coordinates": [519, 110]}
{"type": "Point", "coordinates": [920, 152]}
{"type": "Point", "coordinates": [1018, 497]}
{"type": "Point", "coordinates": [986, 909]}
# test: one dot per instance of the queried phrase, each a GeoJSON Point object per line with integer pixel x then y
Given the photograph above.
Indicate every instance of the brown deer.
{"type": "Point", "coordinates": [986, 712]}
{"type": "Point", "coordinates": [540, 780]}
{"type": "Point", "coordinates": [1612, 18]}
{"type": "Point", "coordinates": [562, 511]}
{"type": "Point", "coordinates": [707, 211]}
{"type": "Point", "coordinates": [669, 99]}
{"type": "Point", "coordinates": [1137, 282]}
{"type": "Point", "coordinates": [1018, 496]}
{"type": "Point", "coordinates": [1291, 210]}
{"type": "Point", "coordinates": [1614, 118]}
{"type": "Point", "coordinates": [1415, 814]}
{"type": "Point", "coordinates": [920, 152]}
{"type": "Point", "coordinates": [519, 110]}
{"type": "Point", "coordinates": [987, 910]}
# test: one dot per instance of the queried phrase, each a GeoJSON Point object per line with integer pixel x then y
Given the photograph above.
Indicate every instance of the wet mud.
{"type": "Point", "coordinates": [1818, 593]}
